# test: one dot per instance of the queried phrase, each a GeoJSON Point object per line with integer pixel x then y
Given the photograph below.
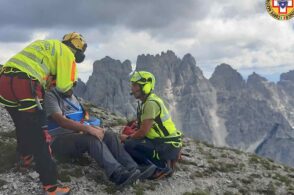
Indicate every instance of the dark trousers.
{"type": "Point", "coordinates": [30, 140]}
{"type": "Point", "coordinates": [145, 150]}
{"type": "Point", "coordinates": [16, 93]}
{"type": "Point", "coordinates": [109, 154]}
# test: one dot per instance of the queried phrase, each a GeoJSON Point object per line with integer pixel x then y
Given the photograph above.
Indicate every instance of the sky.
{"type": "Point", "coordinates": [237, 32]}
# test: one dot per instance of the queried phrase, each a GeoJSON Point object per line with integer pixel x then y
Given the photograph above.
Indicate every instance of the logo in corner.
{"type": "Point", "coordinates": [280, 9]}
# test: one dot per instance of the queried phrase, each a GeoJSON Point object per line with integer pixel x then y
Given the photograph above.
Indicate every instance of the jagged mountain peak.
{"type": "Point", "coordinates": [226, 70]}
{"type": "Point", "coordinates": [168, 53]}
{"type": "Point", "coordinates": [225, 77]}
{"type": "Point", "coordinates": [259, 86]}
{"type": "Point", "coordinates": [165, 58]}
{"type": "Point", "coordinates": [110, 61]}
{"type": "Point", "coordinates": [189, 70]}
{"type": "Point", "coordinates": [188, 58]}
{"type": "Point", "coordinates": [289, 76]}
{"type": "Point", "coordinates": [109, 65]}
{"type": "Point", "coordinates": [255, 78]}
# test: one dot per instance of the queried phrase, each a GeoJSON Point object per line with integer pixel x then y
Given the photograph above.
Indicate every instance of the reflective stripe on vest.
{"type": "Point", "coordinates": [36, 59]}
{"type": "Point", "coordinates": [27, 67]}
{"type": "Point", "coordinates": [47, 57]}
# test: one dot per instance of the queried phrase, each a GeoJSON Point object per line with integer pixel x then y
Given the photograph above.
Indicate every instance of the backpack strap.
{"type": "Point", "coordinates": [60, 103]}
{"type": "Point", "coordinates": [159, 121]}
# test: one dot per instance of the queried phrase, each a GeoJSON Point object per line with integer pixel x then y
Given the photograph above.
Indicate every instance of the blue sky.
{"type": "Point", "coordinates": [240, 33]}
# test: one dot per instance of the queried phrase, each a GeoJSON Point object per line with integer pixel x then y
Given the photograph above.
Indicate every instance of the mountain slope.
{"type": "Point", "coordinates": [203, 169]}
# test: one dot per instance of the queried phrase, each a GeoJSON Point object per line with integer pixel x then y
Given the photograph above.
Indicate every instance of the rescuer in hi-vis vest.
{"type": "Point", "coordinates": [156, 140]}
{"type": "Point", "coordinates": [23, 80]}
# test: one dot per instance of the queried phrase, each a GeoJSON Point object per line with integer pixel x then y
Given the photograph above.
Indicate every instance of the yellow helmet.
{"type": "Point", "coordinates": [75, 40]}
{"type": "Point", "coordinates": [145, 79]}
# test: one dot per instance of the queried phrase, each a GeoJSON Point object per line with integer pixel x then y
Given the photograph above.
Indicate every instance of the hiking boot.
{"type": "Point", "coordinates": [147, 171]}
{"type": "Point", "coordinates": [161, 173]}
{"type": "Point", "coordinates": [125, 178]}
{"type": "Point", "coordinates": [56, 190]}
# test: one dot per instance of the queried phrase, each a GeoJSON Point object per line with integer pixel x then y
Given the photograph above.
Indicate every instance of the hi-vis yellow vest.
{"type": "Point", "coordinates": [47, 57]}
{"type": "Point", "coordinates": [163, 126]}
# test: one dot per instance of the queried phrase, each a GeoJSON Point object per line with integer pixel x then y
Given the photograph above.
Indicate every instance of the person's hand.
{"type": "Point", "coordinates": [96, 131]}
{"type": "Point", "coordinates": [123, 137]}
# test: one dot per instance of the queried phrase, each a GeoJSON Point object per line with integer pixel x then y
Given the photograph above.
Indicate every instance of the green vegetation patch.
{"type": "Point", "coordinates": [208, 144]}
{"type": "Point", "coordinates": [268, 165]}
{"type": "Point", "coordinates": [236, 151]}
{"type": "Point", "coordinates": [255, 176]}
{"type": "Point", "coordinates": [225, 167]}
{"type": "Point", "coordinates": [198, 174]}
{"type": "Point", "coordinates": [117, 122]}
{"type": "Point", "coordinates": [139, 189]}
{"type": "Point", "coordinates": [7, 155]}
{"type": "Point", "coordinates": [269, 190]}
{"type": "Point", "coordinates": [282, 178]}
{"type": "Point", "coordinates": [187, 162]}
{"type": "Point", "coordinates": [110, 189]}
{"type": "Point", "coordinates": [64, 175]}
{"type": "Point", "coordinates": [246, 181]}
{"type": "Point", "coordinates": [9, 134]}
{"type": "Point", "coordinates": [2, 182]}
{"type": "Point", "coordinates": [197, 192]}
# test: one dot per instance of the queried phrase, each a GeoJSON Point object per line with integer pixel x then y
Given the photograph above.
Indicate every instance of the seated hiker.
{"type": "Point", "coordinates": [156, 139]}
{"type": "Point", "coordinates": [65, 116]}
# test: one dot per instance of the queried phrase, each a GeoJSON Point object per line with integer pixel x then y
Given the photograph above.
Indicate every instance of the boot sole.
{"type": "Point", "coordinates": [130, 180]}
{"type": "Point", "coordinates": [148, 172]}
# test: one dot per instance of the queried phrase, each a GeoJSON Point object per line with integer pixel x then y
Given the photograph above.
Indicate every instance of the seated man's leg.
{"type": "Point", "coordinates": [140, 149]}
{"type": "Point", "coordinates": [76, 144]}
{"type": "Point", "coordinates": [64, 147]}
{"type": "Point", "coordinates": [118, 151]}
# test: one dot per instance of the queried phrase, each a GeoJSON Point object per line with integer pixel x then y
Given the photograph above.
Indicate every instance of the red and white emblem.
{"type": "Point", "coordinates": [282, 5]}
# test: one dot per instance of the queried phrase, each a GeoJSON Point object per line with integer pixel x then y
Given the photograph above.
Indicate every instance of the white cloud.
{"type": "Point", "coordinates": [240, 33]}
{"type": "Point", "coordinates": [254, 42]}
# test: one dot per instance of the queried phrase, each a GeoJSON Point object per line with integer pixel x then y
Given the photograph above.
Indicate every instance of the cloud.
{"type": "Point", "coordinates": [262, 42]}
{"type": "Point", "coordinates": [240, 33]}
{"type": "Point", "coordinates": [134, 14]}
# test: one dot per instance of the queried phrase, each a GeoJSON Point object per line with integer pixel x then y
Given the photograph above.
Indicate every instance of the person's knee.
{"type": "Point", "coordinates": [109, 136]}
{"type": "Point", "coordinates": [129, 145]}
{"type": "Point", "coordinates": [94, 142]}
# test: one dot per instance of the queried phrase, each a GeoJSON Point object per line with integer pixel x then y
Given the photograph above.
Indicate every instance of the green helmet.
{"type": "Point", "coordinates": [145, 79]}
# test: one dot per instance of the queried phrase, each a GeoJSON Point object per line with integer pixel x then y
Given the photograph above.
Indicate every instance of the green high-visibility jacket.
{"type": "Point", "coordinates": [163, 127]}
{"type": "Point", "coordinates": [47, 57]}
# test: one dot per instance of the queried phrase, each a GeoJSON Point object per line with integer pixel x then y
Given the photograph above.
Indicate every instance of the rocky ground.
{"type": "Point", "coordinates": [203, 169]}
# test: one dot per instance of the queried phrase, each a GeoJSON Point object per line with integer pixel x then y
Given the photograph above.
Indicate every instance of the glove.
{"type": "Point", "coordinates": [128, 130]}
{"type": "Point", "coordinates": [47, 136]}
